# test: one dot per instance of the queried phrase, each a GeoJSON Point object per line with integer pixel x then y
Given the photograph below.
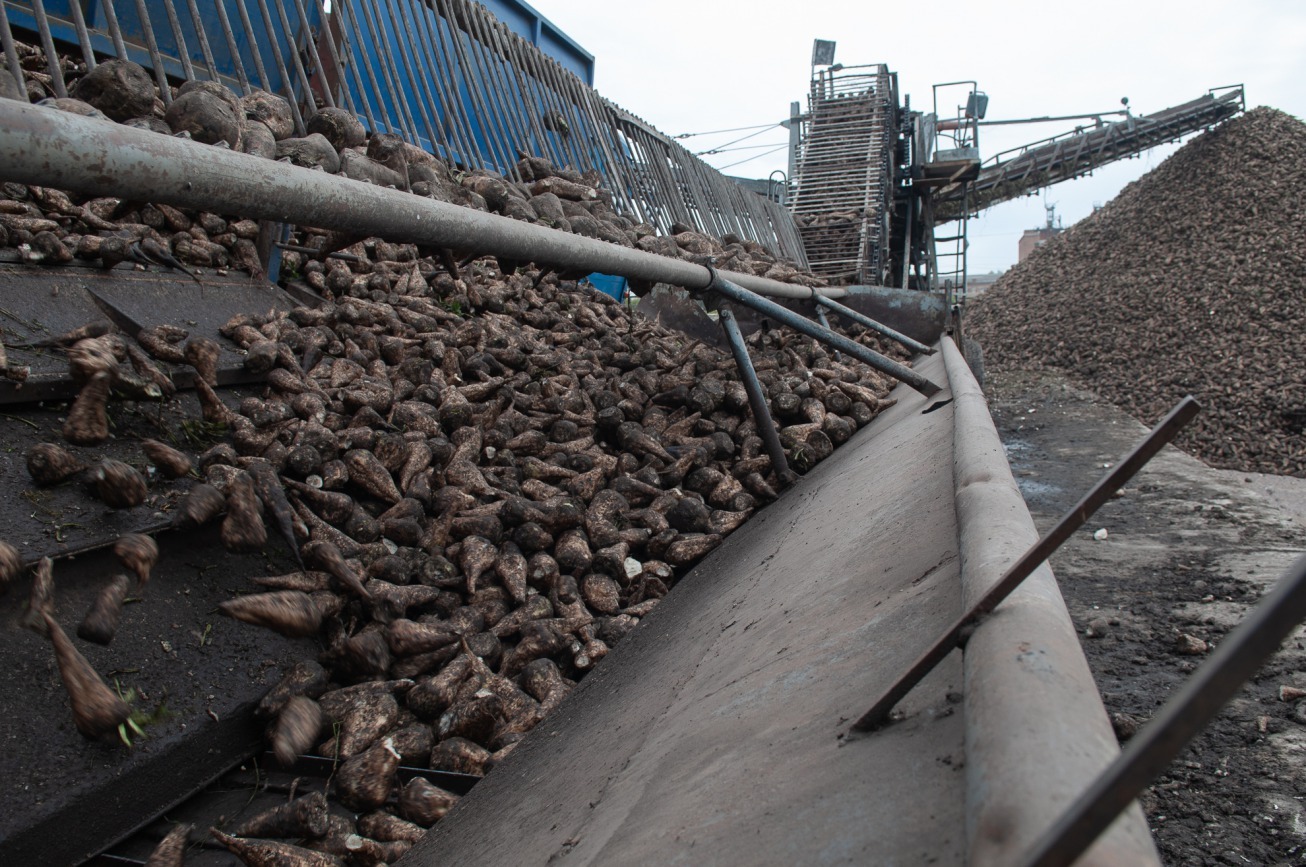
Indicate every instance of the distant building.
{"type": "Point", "coordinates": [978, 284]}
{"type": "Point", "coordinates": [1034, 238]}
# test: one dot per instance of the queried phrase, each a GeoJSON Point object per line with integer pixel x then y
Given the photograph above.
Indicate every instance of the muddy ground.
{"type": "Point", "coordinates": [1188, 550]}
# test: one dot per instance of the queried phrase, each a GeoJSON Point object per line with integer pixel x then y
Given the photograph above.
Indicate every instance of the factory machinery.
{"type": "Point", "coordinates": [799, 696]}
{"type": "Point", "coordinates": [872, 178]}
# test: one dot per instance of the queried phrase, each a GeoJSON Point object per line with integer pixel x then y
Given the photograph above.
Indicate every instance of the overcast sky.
{"type": "Point", "coordinates": [689, 66]}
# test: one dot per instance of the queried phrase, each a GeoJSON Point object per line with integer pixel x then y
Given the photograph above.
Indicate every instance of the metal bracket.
{"type": "Point", "coordinates": [956, 634]}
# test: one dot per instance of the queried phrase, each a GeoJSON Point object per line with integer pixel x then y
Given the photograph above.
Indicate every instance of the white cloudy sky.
{"type": "Point", "coordinates": [697, 65]}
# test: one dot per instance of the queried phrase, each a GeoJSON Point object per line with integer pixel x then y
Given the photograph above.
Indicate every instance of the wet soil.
{"type": "Point", "coordinates": [1187, 551]}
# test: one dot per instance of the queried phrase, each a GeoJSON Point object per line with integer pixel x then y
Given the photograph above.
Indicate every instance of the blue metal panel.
{"type": "Point", "coordinates": [530, 25]}
{"type": "Point", "coordinates": [133, 31]}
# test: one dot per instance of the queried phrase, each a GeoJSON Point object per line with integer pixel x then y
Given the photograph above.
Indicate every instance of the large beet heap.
{"type": "Point", "coordinates": [489, 476]}
{"type": "Point", "coordinates": [1192, 280]}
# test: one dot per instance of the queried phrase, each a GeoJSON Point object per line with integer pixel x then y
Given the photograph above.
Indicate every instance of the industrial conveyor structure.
{"type": "Point", "coordinates": [1028, 168]}
{"type": "Point", "coordinates": [843, 180]}
{"type": "Point", "coordinates": [871, 178]}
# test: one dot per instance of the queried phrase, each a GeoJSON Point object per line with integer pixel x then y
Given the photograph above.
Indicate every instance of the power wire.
{"type": "Point", "coordinates": [738, 140]}
{"type": "Point", "coordinates": [719, 131]}
{"type": "Point", "coordinates": [750, 159]}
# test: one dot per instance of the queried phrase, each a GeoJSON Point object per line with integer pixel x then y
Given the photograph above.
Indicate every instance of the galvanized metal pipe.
{"type": "Point", "coordinates": [862, 319]}
{"type": "Point", "coordinates": [95, 157]}
{"type": "Point", "coordinates": [731, 292]}
{"type": "Point", "coordinates": [825, 323]}
{"type": "Point", "coordinates": [1021, 665]}
{"type": "Point", "coordinates": [766, 428]}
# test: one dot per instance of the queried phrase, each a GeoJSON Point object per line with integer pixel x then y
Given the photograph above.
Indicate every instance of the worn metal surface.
{"type": "Point", "coordinates": [1183, 717]}
{"type": "Point", "coordinates": [1036, 732]}
{"type": "Point", "coordinates": [919, 315]}
{"type": "Point", "coordinates": [956, 635]}
{"type": "Point", "coordinates": [65, 798]}
{"type": "Point", "coordinates": [69, 152]}
{"type": "Point", "coordinates": [711, 734]}
{"type": "Point", "coordinates": [41, 303]}
{"type": "Point", "coordinates": [867, 322]}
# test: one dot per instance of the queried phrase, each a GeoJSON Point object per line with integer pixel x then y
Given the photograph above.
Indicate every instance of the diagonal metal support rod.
{"type": "Point", "coordinates": [756, 397]}
{"type": "Point", "coordinates": [957, 634]}
{"type": "Point", "coordinates": [729, 291]}
{"type": "Point", "coordinates": [867, 322]}
{"type": "Point", "coordinates": [825, 323]}
{"type": "Point", "coordinates": [1183, 717]}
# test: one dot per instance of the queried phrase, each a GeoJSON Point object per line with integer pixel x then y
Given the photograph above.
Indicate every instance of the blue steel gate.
{"type": "Point", "coordinates": [448, 75]}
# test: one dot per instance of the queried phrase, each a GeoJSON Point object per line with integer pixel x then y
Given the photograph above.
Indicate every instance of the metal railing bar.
{"type": "Point", "coordinates": [83, 37]}
{"type": "Point", "coordinates": [432, 129]}
{"type": "Point", "coordinates": [509, 111]}
{"type": "Point", "coordinates": [286, 84]}
{"type": "Point", "coordinates": [484, 75]}
{"type": "Point", "coordinates": [437, 70]}
{"type": "Point", "coordinates": [152, 46]}
{"type": "Point", "coordinates": [264, 82]}
{"type": "Point", "coordinates": [183, 53]}
{"type": "Point", "coordinates": [957, 634]}
{"type": "Point", "coordinates": [311, 41]}
{"type": "Point", "coordinates": [403, 116]}
{"type": "Point", "coordinates": [224, 22]}
{"type": "Point", "coordinates": [115, 30]}
{"type": "Point", "coordinates": [522, 92]}
{"type": "Point", "coordinates": [11, 51]}
{"type": "Point", "coordinates": [202, 34]}
{"type": "Point", "coordinates": [357, 51]}
{"type": "Point", "coordinates": [491, 154]}
{"type": "Point", "coordinates": [1182, 718]}
{"type": "Point", "coordinates": [291, 45]}
{"type": "Point", "coordinates": [47, 43]}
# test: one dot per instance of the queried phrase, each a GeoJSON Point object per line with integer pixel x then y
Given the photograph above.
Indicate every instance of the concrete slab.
{"type": "Point", "coordinates": [715, 734]}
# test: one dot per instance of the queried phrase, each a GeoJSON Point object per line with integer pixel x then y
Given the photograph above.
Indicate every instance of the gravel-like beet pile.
{"type": "Point", "coordinates": [1192, 280]}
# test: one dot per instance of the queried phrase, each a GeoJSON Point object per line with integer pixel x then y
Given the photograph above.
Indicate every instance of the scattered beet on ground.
{"type": "Point", "coordinates": [1191, 281]}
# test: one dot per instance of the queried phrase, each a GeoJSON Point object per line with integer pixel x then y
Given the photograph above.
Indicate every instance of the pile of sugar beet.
{"type": "Point", "coordinates": [488, 475]}
{"type": "Point", "coordinates": [333, 141]}
{"type": "Point", "coordinates": [1191, 281]}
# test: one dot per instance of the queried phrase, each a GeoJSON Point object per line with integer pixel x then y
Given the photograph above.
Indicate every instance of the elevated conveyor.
{"type": "Point", "coordinates": [1031, 167]}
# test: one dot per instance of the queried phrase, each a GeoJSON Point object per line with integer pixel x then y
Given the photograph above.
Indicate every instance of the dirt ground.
{"type": "Point", "coordinates": [1188, 550]}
